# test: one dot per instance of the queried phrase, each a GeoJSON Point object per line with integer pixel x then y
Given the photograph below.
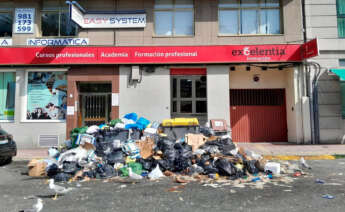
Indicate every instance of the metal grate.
{"type": "Point", "coordinates": [257, 97]}
{"type": "Point", "coordinates": [48, 140]}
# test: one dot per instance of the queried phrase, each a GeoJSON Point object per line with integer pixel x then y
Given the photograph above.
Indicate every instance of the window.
{"type": "Point", "coordinates": [174, 17]}
{"type": "Point", "coordinates": [189, 95]}
{"type": "Point", "coordinates": [249, 17]}
{"type": "Point", "coordinates": [342, 62]}
{"type": "Point", "coordinates": [55, 20]}
{"type": "Point", "coordinates": [7, 95]}
{"type": "Point", "coordinates": [6, 21]}
{"type": "Point", "coordinates": [341, 18]}
{"type": "Point", "coordinates": [46, 95]}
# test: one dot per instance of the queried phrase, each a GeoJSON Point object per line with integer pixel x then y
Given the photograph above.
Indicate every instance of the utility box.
{"type": "Point", "coordinates": [135, 74]}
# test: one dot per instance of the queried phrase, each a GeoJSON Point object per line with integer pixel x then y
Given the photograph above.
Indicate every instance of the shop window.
{"type": "Point", "coordinates": [55, 20]}
{"type": "Point", "coordinates": [189, 95]}
{"type": "Point", "coordinates": [174, 17]}
{"type": "Point", "coordinates": [342, 62]}
{"type": "Point", "coordinates": [46, 95]}
{"type": "Point", "coordinates": [7, 95]}
{"type": "Point", "coordinates": [236, 17]}
{"type": "Point", "coordinates": [6, 21]}
{"type": "Point", "coordinates": [341, 18]}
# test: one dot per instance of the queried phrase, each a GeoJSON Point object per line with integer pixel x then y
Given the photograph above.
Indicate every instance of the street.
{"type": "Point", "coordinates": [302, 194]}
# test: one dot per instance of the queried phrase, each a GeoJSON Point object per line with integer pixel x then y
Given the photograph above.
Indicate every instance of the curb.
{"type": "Point", "coordinates": [298, 157]}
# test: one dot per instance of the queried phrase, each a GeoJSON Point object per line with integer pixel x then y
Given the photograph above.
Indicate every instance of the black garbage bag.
{"type": "Point", "coordinates": [195, 169]}
{"type": "Point", "coordinates": [206, 131]}
{"type": "Point", "coordinates": [52, 170]}
{"type": "Point", "coordinates": [62, 177]}
{"type": "Point", "coordinates": [170, 154]}
{"type": "Point", "coordinates": [115, 157]}
{"type": "Point", "coordinates": [70, 167]}
{"type": "Point", "coordinates": [225, 167]}
{"type": "Point", "coordinates": [103, 148]}
{"type": "Point", "coordinates": [120, 134]}
{"type": "Point", "coordinates": [209, 168]}
{"type": "Point", "coordinates": [185, 152]}
{"type": "Point", "coordinates": [166, 165]}
{"type": "Point", "coordinates": [90, 174]}
{"type": "Point", "coordinates": [165, 143]}
{"type": "Point", "coordinates": [181, 164]}
{"type": "Point", "coordinates": [135, 134]}
{"type": "Point", "coordinates": [105, 171]}
{"type": "Point", "coordinates": [250, 166]}
{"type": "Point", "coordinates": [148, 164]}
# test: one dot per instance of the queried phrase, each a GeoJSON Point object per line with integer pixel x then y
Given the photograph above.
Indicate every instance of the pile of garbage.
{"type": "Point", "coordinates": [136, 148]}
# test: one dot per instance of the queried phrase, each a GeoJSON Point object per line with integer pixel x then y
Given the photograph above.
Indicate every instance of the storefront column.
{"type": "Point", "coordinates": [218, 100]}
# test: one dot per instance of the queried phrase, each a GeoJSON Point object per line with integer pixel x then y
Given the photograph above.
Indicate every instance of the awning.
{"type": "Point", "coordinates": [340, 73]}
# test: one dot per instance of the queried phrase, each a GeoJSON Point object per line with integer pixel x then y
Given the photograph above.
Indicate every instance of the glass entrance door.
{"type": "Point", "coordinates": [189, 97]}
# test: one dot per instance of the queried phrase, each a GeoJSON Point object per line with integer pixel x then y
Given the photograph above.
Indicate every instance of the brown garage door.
{"type": "Point", "coordinates": [258, 115]}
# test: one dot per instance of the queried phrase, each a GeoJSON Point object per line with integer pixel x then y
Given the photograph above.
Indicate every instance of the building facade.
{"type": "Point", "coordinates": [227, 59]}
{"type": "Point", "coordinates": [325, 20]}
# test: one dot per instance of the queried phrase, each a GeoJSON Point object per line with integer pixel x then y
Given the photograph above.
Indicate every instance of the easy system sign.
{"type": "Point", "coordinates": [110, 20]}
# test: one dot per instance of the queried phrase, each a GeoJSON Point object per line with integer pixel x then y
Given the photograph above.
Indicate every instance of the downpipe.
{"type": "Point", "coordinates": [313, 75]}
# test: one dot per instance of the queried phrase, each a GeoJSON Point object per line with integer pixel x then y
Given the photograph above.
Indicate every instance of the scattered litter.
{"type": "Point", "coordinates": [156, 173]}
{"type": "Point", "coordinates": [288, 190]}
{"type": "Point", "coordinates": [328, 196]}
{"type": "Point", "coordinates": [122, 186]}
{"type": "Point", "coordinates": [213, 185]}
{"type": "Point", "coordinates": [176, 188]}
{"type": "Point", "coordinates": [232, 191]}
{"type": "Point", "coordinates": [181, 199]}
{"type": "Point", "coordinates": [273, 167]}
{"type": "Point", "coordinates": [319, 181]}
{"type": "Point", "coordinates": [304, 163]}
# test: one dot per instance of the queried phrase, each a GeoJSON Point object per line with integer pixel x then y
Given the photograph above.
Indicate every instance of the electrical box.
{"type": "Point", "coordinates": [135, 76]}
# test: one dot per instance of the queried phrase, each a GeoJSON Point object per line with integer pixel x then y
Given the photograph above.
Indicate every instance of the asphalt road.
{"type": "Point", "coordinates": [302, 194]}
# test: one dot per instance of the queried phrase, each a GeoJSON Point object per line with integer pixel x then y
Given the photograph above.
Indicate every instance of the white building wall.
{"type": "Point", "coordinates": [149, 98]}
{"type": "Point", "coordinates": [218, 99]}
{"type": "Point", "coordinates": [26, 133]}
{"type": "Point", "coordinates": [321, 22]}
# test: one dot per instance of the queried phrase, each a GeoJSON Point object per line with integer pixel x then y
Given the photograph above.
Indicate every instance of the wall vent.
{"type": "Point", "coordinates": [48, 140]}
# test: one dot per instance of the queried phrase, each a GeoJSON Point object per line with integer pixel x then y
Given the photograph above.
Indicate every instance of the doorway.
{"type": "Point", "coordinates": [95, 103]}
{"type": "Point", "coordinates": [258, 115]}
{"type": "Point", "coordinates": [189, 97]}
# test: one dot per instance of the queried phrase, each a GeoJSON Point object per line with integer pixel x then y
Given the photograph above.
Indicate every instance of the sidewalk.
{"type": "Point", "coordinates": [265, 149]}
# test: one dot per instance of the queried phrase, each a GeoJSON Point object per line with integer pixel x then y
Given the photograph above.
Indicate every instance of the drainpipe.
{"type": "Point", "coordinates": [313, 76]}
{"type": "Point", "coordinates": [311, 86]}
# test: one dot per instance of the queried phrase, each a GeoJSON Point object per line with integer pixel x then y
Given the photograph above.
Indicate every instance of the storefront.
{"type": "Point", "coordinates": [51, 90]}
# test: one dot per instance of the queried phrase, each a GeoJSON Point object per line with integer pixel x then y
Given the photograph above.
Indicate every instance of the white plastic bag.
{"type": "Point", "coordinates": [156, 173]}
{"type": "Point", "coordinates": [92, 129]}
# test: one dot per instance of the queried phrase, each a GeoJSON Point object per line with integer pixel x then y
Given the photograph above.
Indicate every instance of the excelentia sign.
{"type": "Point", "coordinates": [256, 51]}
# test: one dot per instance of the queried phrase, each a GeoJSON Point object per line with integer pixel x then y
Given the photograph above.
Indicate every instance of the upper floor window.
{"type": "Point", "coordinates": [55, 20]}
{"type": "Point", "coordinates": [249, 17]}
{"type": "Point", "coordinates": [6, 21]}
{"type": "Point", "coordinates": [174, 17]}
{"type": "Point", "coordinates": [341, 18]}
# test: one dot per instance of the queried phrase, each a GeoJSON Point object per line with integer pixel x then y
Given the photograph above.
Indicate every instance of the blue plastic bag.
{"type": "Point", "coordinates": [132, 116]}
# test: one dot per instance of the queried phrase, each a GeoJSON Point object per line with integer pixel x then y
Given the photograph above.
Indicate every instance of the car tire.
{"type": "Point", "coordinates": [5, 161]}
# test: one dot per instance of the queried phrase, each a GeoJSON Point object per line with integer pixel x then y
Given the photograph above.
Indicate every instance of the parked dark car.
{"type": "Point", "coordinates": [8, 147]}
